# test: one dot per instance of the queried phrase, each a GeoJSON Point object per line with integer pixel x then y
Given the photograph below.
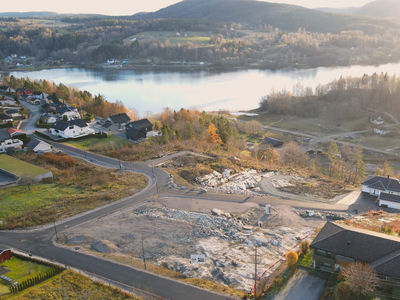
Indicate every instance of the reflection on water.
{"type": "Point", "coordinates": [236, 90]}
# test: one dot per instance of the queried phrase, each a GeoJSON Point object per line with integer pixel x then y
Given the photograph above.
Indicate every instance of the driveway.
{"type": "Point", "coordinates": [302, 286]}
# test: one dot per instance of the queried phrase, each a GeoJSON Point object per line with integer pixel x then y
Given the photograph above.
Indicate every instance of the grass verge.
{"type": "Point", "coordinates": [19, 167]}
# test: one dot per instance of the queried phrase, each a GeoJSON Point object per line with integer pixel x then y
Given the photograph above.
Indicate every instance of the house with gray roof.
{"type": "Point", "coordinates": [70, 129]}
{"type": "Point", "coordinates": [69, 111]}
{"type": "Point", "coordinates": [144, 125]}
{"type": "Point", "coordinates": [273, 142]}
{"type": "Point", "coordinates": [120, 119]}
{"type": "Point", "coordinates": [337, 244]}
{"type": "Point", "coordinates": [38, 146]}
{"type": "Point", "coordinates": [7, 143]}
{"type": "Point", "coordinates": [374, 185]}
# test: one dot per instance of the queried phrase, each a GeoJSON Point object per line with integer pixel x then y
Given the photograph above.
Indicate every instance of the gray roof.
{"type": "Point", "coordinates": [360, 244]}
{"type": "Point", "coordinates": [12, 111]}
{"type": "Point", "coordinates": [389, 197]}
{"type": "Point", "coordinates": [34, 142]}
{"type": "Point", "coordinates": [5, 117]}
{"type": "Point", "coordinates": [48, 115]}
{"type": "Point", "coordinates": [62, 125]}
{"type": "Point", "coordinates": [4, 135]}
{"type": "Point", "coordinates": [133, 132]}
{"type": "Point", "coordinates": [65, 109]}
{"type": "Point", "coordinates": [120, 118]}
{"type": "Point", "coordinates": [272, 142]}
{"type": "Point", "coordinates": [107, 124]}
{"type": "Point", "coordinates": [140, 124]}
{"type": "Point", "coordinates": [382, 183]}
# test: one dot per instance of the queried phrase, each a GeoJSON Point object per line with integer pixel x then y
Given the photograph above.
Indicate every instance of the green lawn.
{"type": "Point", "coordinates": [19, 167]}
{"type": "Point", "coordinates": [21, 270]}
{"type": "Point", "coordinates": [88, 144]}
{"type": "Point", "coordinates": [18, 200]}
{"type": "Point", "coordinates": [306, 260]}
{"type": "Point", "coordinates": [199, 38]}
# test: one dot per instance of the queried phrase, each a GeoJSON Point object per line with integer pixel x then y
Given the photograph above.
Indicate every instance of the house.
{"type": "Point", "coordinates": [144, 125]}
{"type": "Point", "coordinates": [272, 142]}
{"type": "Point", "coordinates": [5, 255]}
{"type": "Point", "coordinates": [38, 146]}
{"type": "Point", "coordinates": [6, 89]}
{"type": "Point", "coordinates": [5, 118]}
{"type": "Point", "coordinates": [375, 119]}
{"type": "Point", "coordinates": [38, 95]}
{"type": "Point", "coordinates": [382, 130]}
{"type": "Point", "coordinates": [70, 129]}
{"type": "Point", "coordinates": [48, 108]}
{"type": "Point", "coordinates": [375, 185]}
{"type": "Point", "coordinates": [70, 112]}
{"type": "Point", "coordinates": [336, 244]}
{"type": "Point", "coordinates": [7, 142]}
{"type": "Point", "coordinates": [121, 119]}
{"type": "Point", "coordinates": [7, 102]}
{"type": "Point", "coordinates": [23, 91]}
{"type": "Point", "coordinates": [135, 134]}
{"type": "Point", "coordinates": [48, 99]}
{"type": "Point", "coordinates": [15, 131]}
{"type": "Point", "coordinates": [48, 118]}
{"type": "Point", "coordinates": [14, 113]}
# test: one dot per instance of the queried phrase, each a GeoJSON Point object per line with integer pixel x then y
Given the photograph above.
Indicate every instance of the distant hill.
{"type": "Point", "coordinates": [35, 14]}
{"type": "Point", "coordinates": [287, 17]}
{"type": "Point", "coordinates": [378, 9]}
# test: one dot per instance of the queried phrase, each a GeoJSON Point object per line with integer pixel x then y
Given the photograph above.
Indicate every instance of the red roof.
{"type": "Point", "coordinates": [13, 131]}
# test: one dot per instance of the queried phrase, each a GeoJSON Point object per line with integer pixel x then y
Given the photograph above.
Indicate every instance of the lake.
{"type": "Point", "coordinates": [236, 90]}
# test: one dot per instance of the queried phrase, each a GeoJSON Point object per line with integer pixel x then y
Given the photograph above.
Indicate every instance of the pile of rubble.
{"type": "Point", "coordinates": [326, 215]}
{"type": "Point", "coordinates": [245, 182]}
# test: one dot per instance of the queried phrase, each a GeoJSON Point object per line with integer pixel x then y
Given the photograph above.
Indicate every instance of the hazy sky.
{"type": "Point", "coordinates": [123, 7]}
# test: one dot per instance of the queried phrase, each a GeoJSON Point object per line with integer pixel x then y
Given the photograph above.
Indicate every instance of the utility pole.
{"type": "Point", "coordinates": [144, 258]}
{"type": "Point", "coordinates": [255, 272]}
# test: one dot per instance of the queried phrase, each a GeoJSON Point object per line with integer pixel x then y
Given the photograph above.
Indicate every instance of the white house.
{"type": "Point", "coordinates": [389, 200]}
{"type": "Point", "coordinates": [69, 111]}
{"type": "Point", "coordinates": [382, 131]}
{"type": "Point", "coordinates": [38, 146]}
{"type": "Point", "coordinates": [5, 118]}
{"type": "Point", "coordinates": [120, 119]}
{"type": "Point", "coordinates": [15, 113]}
{"type": "Point", "coordinates": [70, 129]}
{"type": "Point", "coordinates": [48, 118]}
{"type": "Point", "coordinates": [7, 102]}
{"type": "Point", "coordinates": [7, 142]}
{"type": "Point", "coordinates": [375, 185]}
{"type": "Point", "coordinates": [376, 120]}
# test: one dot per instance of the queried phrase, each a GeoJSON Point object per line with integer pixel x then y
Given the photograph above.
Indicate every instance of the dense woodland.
{"type": "Point", "coordinates": [341, 100]}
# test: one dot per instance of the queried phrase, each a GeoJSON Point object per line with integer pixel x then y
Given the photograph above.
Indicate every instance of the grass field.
{"type": "Point", "coordinates": [199, 38]}
{"type": "Point", "coordinates": [111, 140]}
{"type": "Point", "coordinates": [70, 285]}
{"type": "Point", "coordinates": [19, 167]}
{"type": "Point", "coordinates": [21, 270]}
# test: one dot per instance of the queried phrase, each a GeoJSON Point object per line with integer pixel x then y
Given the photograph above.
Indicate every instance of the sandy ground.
{"type": "Point", "coordinates": [170, 236]}
{"type": "Point", "coordinates": [206, 206]}
{"type": "Point", "coordinates": [350, 198]}
{"type": "Point", "coordinates": [302, 286]}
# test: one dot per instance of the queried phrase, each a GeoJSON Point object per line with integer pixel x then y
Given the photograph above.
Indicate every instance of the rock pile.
{"type": "Point", "coordinates": [104, 246]}
{"type": "Point", "coordinates": [328, 215]}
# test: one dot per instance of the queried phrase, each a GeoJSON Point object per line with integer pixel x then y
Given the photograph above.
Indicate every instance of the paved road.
{"type": "Point", "coordinates": [29, 125]}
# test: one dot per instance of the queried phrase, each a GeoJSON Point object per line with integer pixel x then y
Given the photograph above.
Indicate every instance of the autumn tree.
{"type": "Point", "coordinates": [343, 291]}
{"type": "Point", "coordinates": [334, 157]}
{"type": "Point", "coordinates": [293, 155]}
{"type": "Point", "coordinates": [361, 278]}
{"type": "Point", "coordinates": [291, 258]}
{"type": "Point", "coordinates": [272, 156]}
{"type": "Point", "coordinates": [305, 246]}
{"type": "Point", "coordinates": [213, 136]}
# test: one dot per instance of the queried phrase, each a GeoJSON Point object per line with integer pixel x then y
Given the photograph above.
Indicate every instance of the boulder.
{"type": "Point", "coordinates": [104, 246]}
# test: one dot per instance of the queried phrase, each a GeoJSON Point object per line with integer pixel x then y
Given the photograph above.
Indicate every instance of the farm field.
{"type": "Point", "coordinates": [19, 167]}
{"type": "Point", "coordinates": [199, 38]}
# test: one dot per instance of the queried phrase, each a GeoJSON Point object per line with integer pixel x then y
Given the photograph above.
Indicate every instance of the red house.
{"type": "Point", "coordinates": [28, 92]}
{"type": "Point", "coordinates": [22, 91]}
{"type": "Point", "coordinates": [5, 255]}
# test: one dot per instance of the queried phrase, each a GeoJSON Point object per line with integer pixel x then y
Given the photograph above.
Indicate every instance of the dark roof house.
{"type": "Point", "coordinates": [143, 124]}
{"type": "Point", "coordinates": [381, 183]}
{"type": "Point", "coordinates": [4, 135]}
{"type": "Point", "coordinates": [135, 134]}
{"type": "Point", "coordinates": [38, 146]}
{"type": "Point", "coordinates": [337, 243]}
{"type": "Point", "coordinates": [272, 142]}
{"type": "Point", "coordinates": [121, 118]}
{"type": "Point", "coordinates": [5, 118]}
{"type": "Point", "coordinates": [62, 125]}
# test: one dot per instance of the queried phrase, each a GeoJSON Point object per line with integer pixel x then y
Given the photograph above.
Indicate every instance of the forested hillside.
{"type": "Point", "coordinates": [287, 17]}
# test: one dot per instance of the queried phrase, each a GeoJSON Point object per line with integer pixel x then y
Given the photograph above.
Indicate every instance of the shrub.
{"type": "Point", "coordinates": [305, 246]}
{"type": "Point", "coordinates": [343, 291]}
{"type": "Point", "coordinates": [62, 161]}
{"type": "Point", "coordinates": [291, 258]}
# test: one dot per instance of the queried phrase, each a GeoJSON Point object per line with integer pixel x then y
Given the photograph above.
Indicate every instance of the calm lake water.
{"type": "Point", "coordinates": [237, 90]}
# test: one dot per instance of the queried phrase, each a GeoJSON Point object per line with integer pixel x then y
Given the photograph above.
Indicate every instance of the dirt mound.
{"type": "Point", "coordinates": [80, 239]}
{"type": "Point", "coordinates": [104, 246]}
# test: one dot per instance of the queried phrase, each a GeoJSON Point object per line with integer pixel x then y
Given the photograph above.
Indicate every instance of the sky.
{"type": "Point", "coordinates": [123, 7]}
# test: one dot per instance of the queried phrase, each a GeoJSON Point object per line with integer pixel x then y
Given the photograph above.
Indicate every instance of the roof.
{"type": "Point", "coordinates": [48, 115]}
{"type": "Point", "coordinates": [14, 130]}
{"type": "Point", "coordinates": [12, 111]}
{"type": "Point", "coordinates": [37, 93]}
{"type": "Point", "coordinates": [389, 197]}
{"type": "Point", "coordinates": [34, 142]}
{"type": "Point", "coordinates": [356, 243]}
{"type": "Point", "coordinates": [107, 124]}
{"type": "Point", "coordinates": [272, 142]}
{"type": "Point", "coordinates": [120, 118]}
{"type": "Point", "coordinates": [20, 90]}
{"type": "Point", "coordinates": [62, 125]}
{"type": "Point", "coordinates": [3, 87]}
{"type": "Point", "coordinates": [382, 183]}
{"type": "Point", "coordinates": [5, 117]}
{"type": "Point", "coordinates": [140, 124]}
{"type": "Point", "coordinates": [133, 132]}
{"type": "Point", "coordinates": [65, 109]}
{"type": "Point", "coordinates": [4, 135]}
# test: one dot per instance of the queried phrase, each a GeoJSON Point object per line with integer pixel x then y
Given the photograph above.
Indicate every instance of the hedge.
{"type": "Point", "coordinates": [6, 125]}
{"type": "Point", "coordinates": [93, 136]}
{"type": "Point", "coordinates": [39, 125]}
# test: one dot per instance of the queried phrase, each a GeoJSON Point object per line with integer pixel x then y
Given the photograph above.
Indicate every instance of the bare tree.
{"type": "Point", "coordinates": [361, 277]}
{"type": "Point", "coordinates": [27, 180]}
{"type": "Point", "coordinates": [293, 155]}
